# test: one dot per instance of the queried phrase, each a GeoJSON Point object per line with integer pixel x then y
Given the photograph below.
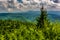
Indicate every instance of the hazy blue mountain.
{"type": "Point", "coordinates": [19, 1]}
{"type": "Point", "coordinates": [29, 16]}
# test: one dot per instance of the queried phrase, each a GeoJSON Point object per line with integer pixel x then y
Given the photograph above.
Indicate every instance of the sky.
{"type": "Point", "coordinates": [26, 5]}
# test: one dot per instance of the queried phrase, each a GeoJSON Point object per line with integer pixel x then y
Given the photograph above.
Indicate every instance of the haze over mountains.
{"type": "Point", "coordinates": [25, 5]}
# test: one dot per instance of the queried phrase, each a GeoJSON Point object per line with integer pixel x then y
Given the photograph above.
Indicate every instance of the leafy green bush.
{"type": "Point", "coordinates": [17, 30]}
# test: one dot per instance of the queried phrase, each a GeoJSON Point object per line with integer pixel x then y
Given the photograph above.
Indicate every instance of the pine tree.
{"type": "Point", "coordinates": [42, 19]}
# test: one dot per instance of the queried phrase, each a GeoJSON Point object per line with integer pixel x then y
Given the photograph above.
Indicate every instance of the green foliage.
{"type": "Point", "coordinates": [17, 30]}
{"type": "Point", "coordinates": [46, 26]}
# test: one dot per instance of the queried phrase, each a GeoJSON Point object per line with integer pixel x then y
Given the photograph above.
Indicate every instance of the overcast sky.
{"type": "Point", "coordinates": [24, 5]}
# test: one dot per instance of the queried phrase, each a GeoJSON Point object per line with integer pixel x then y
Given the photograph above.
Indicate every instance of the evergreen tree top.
{"type": "Point", "coordinates": [43, 8]}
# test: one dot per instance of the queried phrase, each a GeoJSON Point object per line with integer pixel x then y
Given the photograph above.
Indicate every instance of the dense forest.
{"type": "Point", "coordinates": [42, 30]}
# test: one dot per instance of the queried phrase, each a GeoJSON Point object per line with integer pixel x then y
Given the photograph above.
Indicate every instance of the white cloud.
{"type": "Point", "coordinates": [29, 5]}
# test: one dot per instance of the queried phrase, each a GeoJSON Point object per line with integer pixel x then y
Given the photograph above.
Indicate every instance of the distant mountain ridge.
{"type": "Point", "coordinates": [29, 16]}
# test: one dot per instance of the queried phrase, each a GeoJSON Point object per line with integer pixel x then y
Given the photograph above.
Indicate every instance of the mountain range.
{"type": "Point", "coordinates": [29, 16]}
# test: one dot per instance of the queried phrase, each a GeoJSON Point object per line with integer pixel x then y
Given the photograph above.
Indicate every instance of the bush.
{"type": "Point", "coordinates": [17, 30]}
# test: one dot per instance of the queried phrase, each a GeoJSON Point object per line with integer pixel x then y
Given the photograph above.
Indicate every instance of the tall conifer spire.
{"type": "Point", "coordinates": [43, 17]}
